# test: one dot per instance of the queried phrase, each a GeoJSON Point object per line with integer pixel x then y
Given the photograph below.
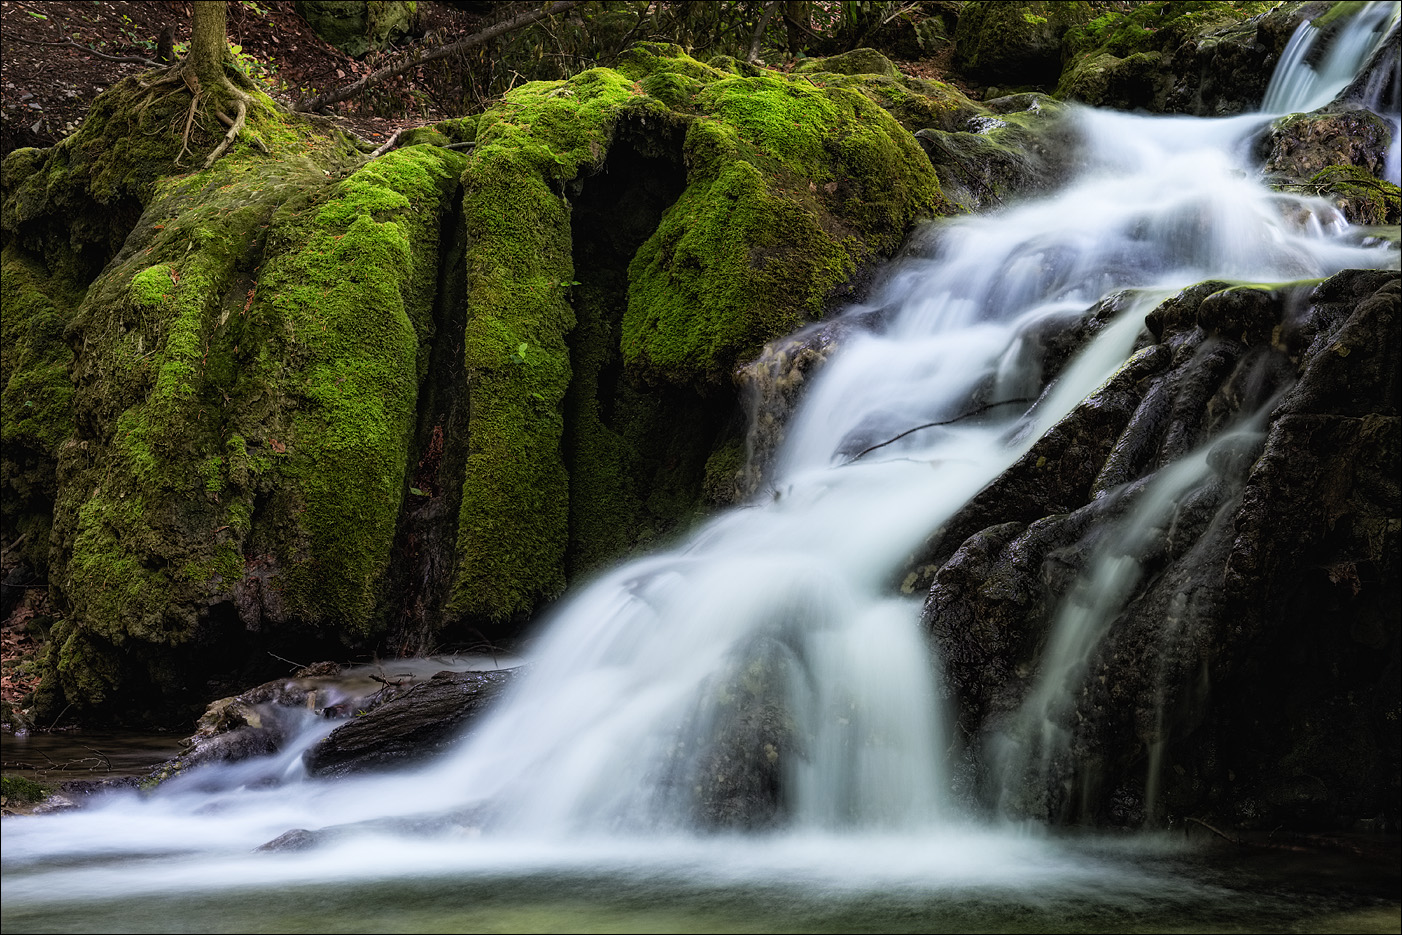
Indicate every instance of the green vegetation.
{"type": "Point", "coordinates": [16, 790]}
{"type": "Point", "coordinates": [231, 446]}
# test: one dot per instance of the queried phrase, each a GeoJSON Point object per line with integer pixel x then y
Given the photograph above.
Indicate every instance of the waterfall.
{"type": "Point", "coordinates": [761, 673]}
{"type": "Point", "coordinates": [1298, 86]}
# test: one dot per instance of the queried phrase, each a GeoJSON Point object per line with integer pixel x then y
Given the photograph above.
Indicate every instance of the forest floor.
{"type": "Point", "coordinates": [60, 55]}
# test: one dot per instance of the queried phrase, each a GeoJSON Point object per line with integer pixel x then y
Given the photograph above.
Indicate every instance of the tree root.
{"type": "Point", "coordinates": [182, 74]}
{"type": "Point", "coordinates": [241, 102]}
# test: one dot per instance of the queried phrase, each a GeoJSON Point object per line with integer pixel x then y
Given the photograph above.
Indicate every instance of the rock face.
{"type": "Point", "coordinates": [1208, 59]}
{"type": "Point", "coordinates": [301, 403]}
{"type": "Point", "coordinates": [1247, 672]}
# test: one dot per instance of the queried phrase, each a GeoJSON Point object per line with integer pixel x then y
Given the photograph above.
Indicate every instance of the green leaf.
{"type": "Point", "coordinates": [417, 492]}
{"type": "Point", "coordinates": [36, 15]}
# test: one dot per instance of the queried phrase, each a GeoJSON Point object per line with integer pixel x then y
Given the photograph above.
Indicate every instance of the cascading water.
{"type": "Point", "coordinates": [761, 674]}
{"type": "Point", "coordinates": [1298, 86]}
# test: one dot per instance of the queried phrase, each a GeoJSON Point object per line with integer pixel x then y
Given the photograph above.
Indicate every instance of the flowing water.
{"type": "Point", "coordinates": [576, 804]}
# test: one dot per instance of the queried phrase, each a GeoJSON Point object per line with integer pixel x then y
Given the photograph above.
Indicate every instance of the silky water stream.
{"type": "Point", "coordinates": [576, 805]}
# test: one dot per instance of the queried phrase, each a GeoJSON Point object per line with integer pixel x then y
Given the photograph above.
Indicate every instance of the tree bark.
{"type": "Point", "coordinates": [208, 43]}
{"type": "Point", "coordinates": [389, 71]}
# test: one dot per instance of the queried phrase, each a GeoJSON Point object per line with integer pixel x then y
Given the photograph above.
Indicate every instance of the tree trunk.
{"type": "Point", "coordinates": [208, 44]}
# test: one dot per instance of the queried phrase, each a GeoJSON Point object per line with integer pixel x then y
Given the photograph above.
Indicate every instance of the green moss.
{"type": "Point", "coordinates": [855, 62]}
{"type": "Point", "coordinates": [1117, 46]}
{"type": "Point", "coordinates": [1363, 198]}
{"type": "Point", "coordinates": [1340, 11]}
{"type": "Point", "coordinates": [718, 278]}
{"type": "Point", "coordinates": [348, 299]}
{"type": "Point", "coordinates": [260, 339]}
{"type": "Point", "coordinates": [20, 791]}
{"type": "Point", "coordinates": [36, 397]}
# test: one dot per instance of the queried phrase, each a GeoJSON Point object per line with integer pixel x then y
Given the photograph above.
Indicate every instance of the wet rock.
{"type": "Point", "coordinates": [459, 823]}
{"type": "Point", "coordinates": [1301, 145]}
{"type": "Point", "coordinates": [1248, 673]}
{"type": "Point", "coordinates": [1015, 148]}
{"type": "Point", "coordinates": [408, 725]}
{"type": "Point", "coordinates": [745, 740]}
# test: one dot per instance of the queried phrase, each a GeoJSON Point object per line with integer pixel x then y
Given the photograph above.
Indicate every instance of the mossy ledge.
{"type": "Point", "coordinates": [244, 364]}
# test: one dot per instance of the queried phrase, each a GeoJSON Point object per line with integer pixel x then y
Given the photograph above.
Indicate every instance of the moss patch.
{"type": "Point", "coordinates": [789, 187]}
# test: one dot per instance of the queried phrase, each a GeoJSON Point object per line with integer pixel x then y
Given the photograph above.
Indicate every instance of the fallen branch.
{"type": "Point", "coordinates": [415, 60]}
{"type": "Point", "coordinates": [1224, 836]}
{"type": "Point", "coordinates": [387, 145]}
{"type": "Point", "coordinates": [134, 59]}
{"type": "Point", "coordinates": [930, 425]}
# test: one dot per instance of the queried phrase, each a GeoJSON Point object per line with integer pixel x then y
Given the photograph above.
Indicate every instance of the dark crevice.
{"type": "Point", "coordinates": [636, 453]}
{"type": "Point", "coordinates": [423, 557]}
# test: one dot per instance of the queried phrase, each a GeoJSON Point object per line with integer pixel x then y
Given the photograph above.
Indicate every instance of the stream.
{"type": "Point", "coordinates": [576, 805]}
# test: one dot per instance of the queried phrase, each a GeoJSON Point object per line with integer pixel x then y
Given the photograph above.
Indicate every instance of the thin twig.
{"type": "Point", "coordinates": [387, 145]}
{"type": "Point", "coordinates": [929, 425]}
{"type": "Point", "coordinates": [1223, 836]}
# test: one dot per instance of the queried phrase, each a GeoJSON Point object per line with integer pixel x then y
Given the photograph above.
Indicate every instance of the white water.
{"type": "Point", "coordinates": [592, 762]}
{"type": "Point", "coordinates": [1299, 87]}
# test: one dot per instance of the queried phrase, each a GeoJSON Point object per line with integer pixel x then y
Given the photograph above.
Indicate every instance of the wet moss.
{"type": "Point", "coordinates": [36, 398]}
{"type": "Point", "coordinates": [1363, 198]}
{"type": "Point", "coordinates": [791, 184]}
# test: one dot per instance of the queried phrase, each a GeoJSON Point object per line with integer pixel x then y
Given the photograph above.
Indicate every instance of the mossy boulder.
{"type": "Point", "coordinates": [301, 401]}
{"type": "Point", "coordinates": [1015, 44]}
{"type": "Point", "coordinates": [1199, 57]}
{"type": "Point", "coordinates": [357, 27]}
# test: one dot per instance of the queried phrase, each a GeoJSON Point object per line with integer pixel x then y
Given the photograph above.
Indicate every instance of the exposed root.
{"type": "Point", "coordinates": [182, 74]}
{"type": "Point", "coordinates": [241, 102]}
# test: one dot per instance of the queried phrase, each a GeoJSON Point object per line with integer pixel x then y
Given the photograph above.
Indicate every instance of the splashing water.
{"type": "Point", "coordinates": [767, 648]}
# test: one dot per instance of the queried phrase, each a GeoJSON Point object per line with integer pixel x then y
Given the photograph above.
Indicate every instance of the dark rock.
{"type": "Point", "coordinates": [408, 725]}
{"type": "Point", "coordinates": [1248, 675]}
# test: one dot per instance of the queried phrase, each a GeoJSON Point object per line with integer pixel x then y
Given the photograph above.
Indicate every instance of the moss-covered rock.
{"type": "Point", "coordinates": [1301, 145]}
{"type": "Point", "coordinates": [787, 189]}
{"type": "Point", "coordinates": [1016, 44]}
{"type": "Point", "coordinates": [355, 27]}
{"type": "Point", "coordinates": [1199, 56]}
{"type": "Point", "coordinates": [300, 400]}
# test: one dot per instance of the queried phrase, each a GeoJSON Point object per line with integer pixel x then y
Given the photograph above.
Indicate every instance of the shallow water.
{"type": "Point", "coordinates": [964, 882]}
{"type": "Point", "coordinates": [90, 755]}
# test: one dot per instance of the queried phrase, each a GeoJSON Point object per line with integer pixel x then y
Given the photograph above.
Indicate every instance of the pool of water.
{"type": "Point", "coordinates": [87, 754]}
{"type": "Point", "coordinates": [975, 881]}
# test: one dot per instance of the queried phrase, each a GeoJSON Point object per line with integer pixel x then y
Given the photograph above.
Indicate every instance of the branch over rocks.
{"type": "Point", "coordinates": [415, 60]}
